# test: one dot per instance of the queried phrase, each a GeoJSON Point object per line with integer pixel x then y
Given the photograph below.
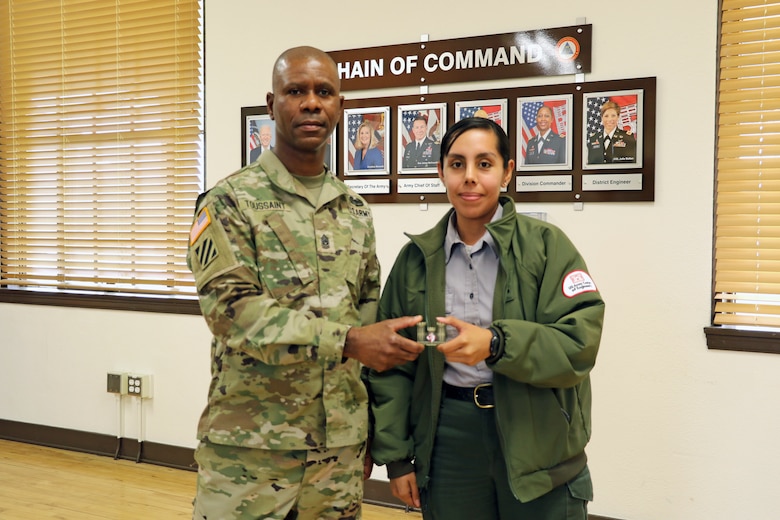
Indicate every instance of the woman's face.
{"type": "Point", "coordinates": [473, 172]}
{"type": "Point", "coordinates": [609, 120]}
{"type": "Point", "coordinates": [364, 135]}
{"type": "Point", "coordinates": [544, 119]}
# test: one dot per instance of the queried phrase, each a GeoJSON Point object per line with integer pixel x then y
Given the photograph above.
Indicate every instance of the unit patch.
{"type": "Point", "coordinates": [206, 252]}
{"type": "Point", "coordinates": [577, 282]}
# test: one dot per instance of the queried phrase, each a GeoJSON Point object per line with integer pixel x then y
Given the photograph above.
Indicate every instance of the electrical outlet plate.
{"type": "Point", "coordinates": [139, 385]}
{"type": "Point", "coordinates": [116, 383]}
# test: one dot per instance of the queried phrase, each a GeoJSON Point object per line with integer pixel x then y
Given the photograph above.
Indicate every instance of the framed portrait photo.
{"type": "Point", "coordinates": [613, 133]}
{"type": "Point", "coordinates": [257, 133]}
{"type": "Point", "coordinates": [544, 137]}
{"type": "Point", "coordinates": [420, 129]}
{"type": "Point", "coordinates": [330, 151]}
{"type": "Point", "coordinates": [366, 141]}
{"type": "Point", "coordinates": [494, 109]}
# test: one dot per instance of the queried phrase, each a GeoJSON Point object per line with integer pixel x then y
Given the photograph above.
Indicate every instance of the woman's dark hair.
{"type": "Point", "coordinates": [475, 123]}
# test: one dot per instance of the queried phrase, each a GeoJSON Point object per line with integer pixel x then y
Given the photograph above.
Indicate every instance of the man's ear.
{"type": "Point", "coordinates": [269, 101]}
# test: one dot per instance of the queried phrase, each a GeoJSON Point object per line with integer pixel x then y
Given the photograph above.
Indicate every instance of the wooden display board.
{"type": "Point", "coordinates": [581, 172]}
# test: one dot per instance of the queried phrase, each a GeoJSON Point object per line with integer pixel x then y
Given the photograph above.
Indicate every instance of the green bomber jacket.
{"type": "Point", "coordinates": [549, 314]}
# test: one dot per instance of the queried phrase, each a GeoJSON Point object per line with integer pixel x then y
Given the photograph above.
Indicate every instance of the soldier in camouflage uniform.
{"type": "Point", "coordinates": [284, 260]}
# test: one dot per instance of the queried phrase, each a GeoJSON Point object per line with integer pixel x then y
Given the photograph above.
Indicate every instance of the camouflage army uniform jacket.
{"type": "Point", "coordinates": [280, 280]}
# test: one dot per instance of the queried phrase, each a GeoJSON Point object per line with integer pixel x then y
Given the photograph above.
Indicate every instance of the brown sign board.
{"type": "Point", "coordinates": [542, 52]}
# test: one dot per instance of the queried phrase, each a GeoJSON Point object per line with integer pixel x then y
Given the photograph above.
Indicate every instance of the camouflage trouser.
{"type": "Point", "coordinates": [242, 483]}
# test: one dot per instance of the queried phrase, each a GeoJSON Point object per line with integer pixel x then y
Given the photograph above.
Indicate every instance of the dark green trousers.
{"type": "Point", "coordinates": [469, 477]}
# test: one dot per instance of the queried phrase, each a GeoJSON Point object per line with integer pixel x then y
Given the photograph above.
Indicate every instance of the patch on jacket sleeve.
{"type": "Point", "coordinates": [206, 251]}
{"type": "Point", "coordinates": [200, 225]}
{"type": "Point", "coordinates": [577, 282]}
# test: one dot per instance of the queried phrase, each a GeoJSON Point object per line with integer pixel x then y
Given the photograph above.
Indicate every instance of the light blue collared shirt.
{"type": "Point", "coordinates": [470, 284]}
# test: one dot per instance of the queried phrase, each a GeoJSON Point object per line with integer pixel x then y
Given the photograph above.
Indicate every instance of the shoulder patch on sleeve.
{"type": "Point", "coordinates": [205, 252]}
{"type": "Point", "coordinates": [577, 282]}
{"type": "Point", "coordinates": [200, 225]}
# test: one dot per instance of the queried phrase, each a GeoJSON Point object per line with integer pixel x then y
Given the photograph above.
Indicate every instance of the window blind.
{"type": "Point", "coordinates": [747, 214]}
{"type": "Point", "coordinates": [101, 119]}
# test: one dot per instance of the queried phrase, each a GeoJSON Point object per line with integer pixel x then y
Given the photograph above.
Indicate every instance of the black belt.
{"type": "Point", "coordinates": [480, 395]}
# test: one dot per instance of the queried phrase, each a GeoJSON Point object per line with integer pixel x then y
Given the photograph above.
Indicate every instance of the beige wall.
{"type": "Point", "coordinates": [680, 432]}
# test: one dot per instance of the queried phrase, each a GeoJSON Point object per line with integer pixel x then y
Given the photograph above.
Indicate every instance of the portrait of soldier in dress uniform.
{"type": "Point", "coordinates": [544, 132]}
{"type": "Point", "coordinates": [611, 131]}
{"type": "Point", "coordinates": [419, 136]}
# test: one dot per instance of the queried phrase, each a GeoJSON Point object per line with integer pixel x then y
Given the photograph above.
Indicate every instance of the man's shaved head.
{"type": "Point", "coordinates": [304, 53]}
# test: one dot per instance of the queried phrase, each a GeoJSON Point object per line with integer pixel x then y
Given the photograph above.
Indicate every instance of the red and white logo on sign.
{"type": "Point", "coordinates": [567, 48]}
{"type": "Point", "coordinates": [577, 282]}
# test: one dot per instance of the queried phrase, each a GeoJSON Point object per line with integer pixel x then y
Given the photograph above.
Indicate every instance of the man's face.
{"type": "Point", "coordinates": [419, 128]}
{"type": "Point", "coordinates": [265, 136]}
{"type": "Point", "coordinates": [543, 119]}
{"type": "Point", "coordinates": [306, 103]}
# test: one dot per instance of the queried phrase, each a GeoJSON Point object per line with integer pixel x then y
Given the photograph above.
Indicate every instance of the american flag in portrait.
{"type": "Point", "coordinates": [435, 129]}
{"type": "Point", "coordinates": [627, 119]}
{"type": "Point", "coordinates": [254, 136]}
{"type": "Point", "coordinates": [528, 112]}
{"type": "Point", "coordinates": [353, 122]}
{"type": "Point", "coordinates": [492, 112]}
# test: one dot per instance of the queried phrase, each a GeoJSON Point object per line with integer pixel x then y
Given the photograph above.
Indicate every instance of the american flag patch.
{"type": "Point", "coordinates": [200, 225]}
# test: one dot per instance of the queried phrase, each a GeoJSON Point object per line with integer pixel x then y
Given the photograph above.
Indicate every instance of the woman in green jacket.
{"type": "Point", "coordinates": [491, 421]}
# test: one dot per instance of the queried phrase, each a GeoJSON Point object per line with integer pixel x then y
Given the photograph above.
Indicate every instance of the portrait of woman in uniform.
{"type": "Point", "coordinates": [612, 133]}
{"type": "Point", "coordinates": [544, 132]}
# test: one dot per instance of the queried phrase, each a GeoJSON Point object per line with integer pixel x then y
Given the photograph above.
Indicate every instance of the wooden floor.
{"type": "Point", "coordinates": [46, 483]}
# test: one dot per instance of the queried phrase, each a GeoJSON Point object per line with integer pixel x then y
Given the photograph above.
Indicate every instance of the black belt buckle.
{"type": "Point", "coordinates": [476, 396]}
